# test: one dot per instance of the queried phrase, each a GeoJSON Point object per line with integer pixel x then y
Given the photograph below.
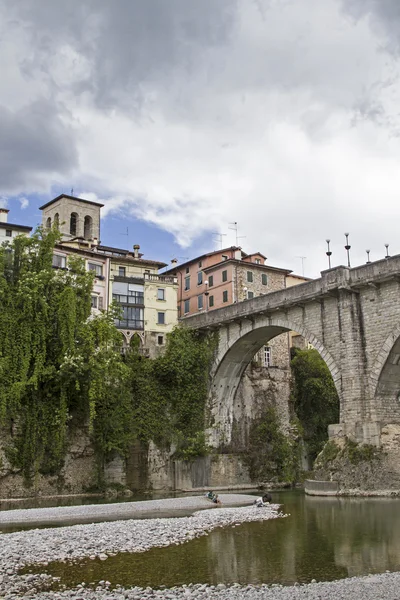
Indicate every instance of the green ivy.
{"type": "Point", "coordinates": [60, 366]}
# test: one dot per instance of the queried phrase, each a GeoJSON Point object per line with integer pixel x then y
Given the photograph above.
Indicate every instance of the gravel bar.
{"type": "Point", "coordinates": [113, 512]}
{"type": "Point", "coordinates": [101, 540]}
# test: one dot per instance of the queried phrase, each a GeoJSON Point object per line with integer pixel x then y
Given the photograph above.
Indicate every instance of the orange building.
{"type": "Point", "coordinates": [224, 277]}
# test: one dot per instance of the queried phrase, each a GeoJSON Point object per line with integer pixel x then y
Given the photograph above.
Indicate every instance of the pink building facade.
{"type": "Point", "coordinates": [224, 277]}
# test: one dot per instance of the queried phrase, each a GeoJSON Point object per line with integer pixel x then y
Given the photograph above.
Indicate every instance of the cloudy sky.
{"type": "Point", "coordinates": [184, 115]}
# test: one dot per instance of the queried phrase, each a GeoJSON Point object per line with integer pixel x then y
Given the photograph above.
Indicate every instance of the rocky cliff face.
{"type": "Point", "coordinates": [362, 468]}
{"type": "Point", "coordinates": [76, 476]}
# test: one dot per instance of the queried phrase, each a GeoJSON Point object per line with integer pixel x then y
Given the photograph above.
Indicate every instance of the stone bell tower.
{"type": "Point", "coordinates": [77, 218]}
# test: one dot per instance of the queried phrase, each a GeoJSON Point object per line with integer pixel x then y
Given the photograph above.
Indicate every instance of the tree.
{"type": "Point", "coordinates": [315, 399]}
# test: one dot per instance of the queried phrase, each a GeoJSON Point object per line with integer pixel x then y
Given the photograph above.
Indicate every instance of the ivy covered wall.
{"type": "Point", "coordinates": [61, 367]}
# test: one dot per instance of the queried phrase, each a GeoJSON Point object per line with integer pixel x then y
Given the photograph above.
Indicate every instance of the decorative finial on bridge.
{"type": "Point", "coordinates": [387, 251]}
{"type": "Point", "coordinates": [329, 253]}
{"type": "Point", "coordinates": [347, 248]}
{"type": "Point", "coordinates": [368, 261]}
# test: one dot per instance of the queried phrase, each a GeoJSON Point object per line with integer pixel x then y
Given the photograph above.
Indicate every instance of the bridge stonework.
{"type": "Point", "coordinates": [350, 315]}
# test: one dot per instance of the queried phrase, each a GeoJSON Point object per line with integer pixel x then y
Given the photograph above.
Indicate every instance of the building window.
{"type": "Point", "coordinates": [225, 296]}
{"type": "Point", "coordinates": [211, 280]}
{"type": "Point", "coordinates": [101, 306]}
{"type": "Point", "coordinates": [200, 301]}
{"type": "Point", "coordinates": [186, 308]}
{"type": "Point", "coordinates": [264, 279]}
{"type": "Point", "coordinates": [187, 270]}
{"type": "Point", "coordinates": [224, 275]}
{"type": "Point", "coordinates": [73, 223]}
{"type": "Point", "coordinates": [87, 228]}
{"type": "Point", "coordinates": [250, 295]}
{"type": "Point", "coordinates": [98, 269]}
{"type": "Point", "coordinates": [267, 356]}
{"type": "Point", "coordinates": [161, 294]}
{"type": "Point", "coordinates": [93, 302]}
{"type": "Point", "coordinates": [160, 340]}
{"type": "Point", "coordinates": [187, 283]}
{"type": "Point", "coordinates": [8, 233]}
{"type": "Point", "coordinates": [257, 261]}
{"type": "Point", "coordinates": [57, 220]}
{"type": "Point", "coordinates": [249, 276]}
{"type": "Point", "coordinates": [211, 301]}
{"type": "Point", "coordinates": [122, 271]}
{"type": "Point", "coordinates": [131, 318]}
{"type": "Point", "coordinates": [132, 297]}
{"type": "Point", "coordinates": [200, 264]}
{"type": "Point", "coordinates": [160, 318]}
{"type": "Point", "coordinates": [60, 262]}
{"type": "Point", "coordinates": [48, 223]}
{"type": "Point", "coordinates": [199, 277]}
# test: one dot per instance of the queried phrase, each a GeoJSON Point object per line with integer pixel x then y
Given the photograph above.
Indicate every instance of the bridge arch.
{"type": "Point", "coordinates": [237, 347]}
{"type": "Point", "coordinates": [385, 379]}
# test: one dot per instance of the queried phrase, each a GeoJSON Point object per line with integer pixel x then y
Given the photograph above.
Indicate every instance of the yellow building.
{"type": "Point", "coordinates": [147, 300]}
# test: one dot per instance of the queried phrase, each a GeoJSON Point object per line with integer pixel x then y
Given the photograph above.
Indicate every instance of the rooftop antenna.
{"type": "Point", "coordinates": [235, 229]}
{"type": "Point", "coordinates": [127, 232]}
{"type": "Point", "coordinates": [220, 236]}
{"type": "Point", "coordinates": [303, 258]}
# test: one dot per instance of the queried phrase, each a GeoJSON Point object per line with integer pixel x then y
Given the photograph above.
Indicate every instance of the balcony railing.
{"type": "Point", "coordinates": [135, 324]}
{"type": "Point", "coordinates": [160, 278]}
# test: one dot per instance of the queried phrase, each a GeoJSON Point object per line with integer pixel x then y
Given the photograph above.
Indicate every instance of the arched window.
{"type": "Point", "coordinates": [87, 228]}
{"type": "Point", "coordinates": [73, 223]}
{"type": "Point", "coordinates": [57, 220]}
{"type": "Point", "coordinates": [48, 223]}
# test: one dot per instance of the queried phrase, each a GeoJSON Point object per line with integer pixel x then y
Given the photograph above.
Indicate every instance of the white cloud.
{"type": "Point", "coordinates": [280, 115]}
{"type": "Point", "coordinates": [24, 203]}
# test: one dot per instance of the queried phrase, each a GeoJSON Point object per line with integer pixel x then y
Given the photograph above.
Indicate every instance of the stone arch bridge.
{"type": "Point", "coordinates": [350, 315]}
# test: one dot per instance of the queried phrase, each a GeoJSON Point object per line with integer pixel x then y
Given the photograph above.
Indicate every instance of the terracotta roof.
{"type": "Point", "coordinates": [246, 265]}
{"type": "Point", "coordinates": [105, 252]}
{"type": "Point", "coordinates": [197, 258]}
{"type": "Point", "coordinates": [69, 198]}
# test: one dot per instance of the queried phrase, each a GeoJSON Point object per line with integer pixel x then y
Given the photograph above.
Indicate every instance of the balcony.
{"type": "Point", "coordinates": [160, 278]}
{"type": "Point", "coordinates": [136, 299]}
{"type": "Point", "coordinates": [134, 324]}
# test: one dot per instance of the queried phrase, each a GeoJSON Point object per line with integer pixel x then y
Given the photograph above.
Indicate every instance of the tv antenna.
{"type": "Point", "coordinates": [302, 258]}
{"type": "Point", "coordinates": [220, 236]}
{"type": "Point", "coordinates": [235, 229]}
{"type": "Point", "coordinates": [127, 232]}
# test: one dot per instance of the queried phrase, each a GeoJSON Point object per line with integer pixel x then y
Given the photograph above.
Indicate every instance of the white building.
{"type": "Point", "coordinates": [8, 231]}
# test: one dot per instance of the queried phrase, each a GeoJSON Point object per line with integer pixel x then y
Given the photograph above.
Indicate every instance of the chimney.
{"type": "Point", "coordinates": [174, 262]}
{"type": "Point", "coordinates": [136, 249]}
{"type": "Point", "coordinates": [4, 215]}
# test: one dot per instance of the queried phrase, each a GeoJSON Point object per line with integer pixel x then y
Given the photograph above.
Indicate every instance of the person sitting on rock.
{"type": "Point", "coordinates": [263, 500]}
{"type": "Point", "coordinates": [213, 497]}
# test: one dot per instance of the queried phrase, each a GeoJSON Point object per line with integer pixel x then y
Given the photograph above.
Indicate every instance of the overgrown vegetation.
{"type": "Point", "coordinates": [314, 398]}
{"type": "Point", "coordinates": [271, 454]}
{"type": "Point", "coordinates": [58, 365]}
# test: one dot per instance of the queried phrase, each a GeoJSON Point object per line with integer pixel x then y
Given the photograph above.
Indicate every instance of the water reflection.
{"type": "Point", "coordinates": [323, 538]}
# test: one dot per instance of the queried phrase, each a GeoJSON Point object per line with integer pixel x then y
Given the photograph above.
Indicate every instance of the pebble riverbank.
{"type": "Point", "coordinates": [101, 540]}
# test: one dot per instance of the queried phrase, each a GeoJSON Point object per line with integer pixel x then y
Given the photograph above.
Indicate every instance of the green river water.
{"type": "Point", "coordinates": [322, 539]}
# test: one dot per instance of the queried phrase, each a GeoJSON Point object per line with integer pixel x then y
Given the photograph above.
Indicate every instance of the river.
{"type": "Point", "coordinates": [322, 539]}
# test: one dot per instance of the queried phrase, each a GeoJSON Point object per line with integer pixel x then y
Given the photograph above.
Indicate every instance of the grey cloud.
{"type": "Point", "coordinates": [130, 43]}
{"type": "Point", "coordinates": [384, 18]}
{"type": "Point", "coordinates": [34, 145]}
